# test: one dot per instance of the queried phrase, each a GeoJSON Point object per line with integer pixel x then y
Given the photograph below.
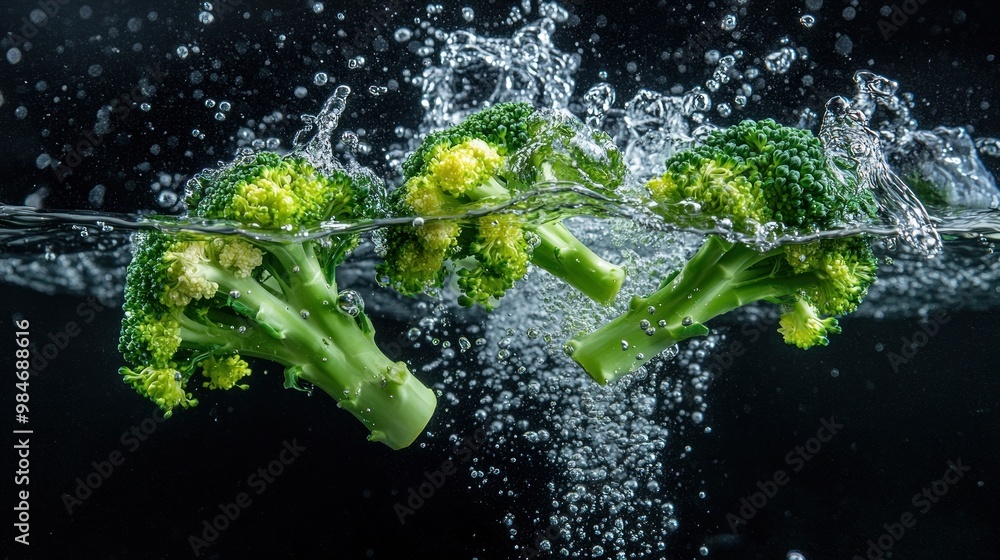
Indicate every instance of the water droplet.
{"type": "Point", "coordinates": [320, 79]}
{"type": "Point", "coordinates": [807, 21]}
{"type": "Point", "coordinates": [624, 345]}
{"type": "Point", "coordinates": [468, 14]}
{"type": "Point", "coordinates": [235, 294]}
{"type": "Point", "coordinates": [402, 35]}
{"type": "Point", "coordinates": [350, 303]}
{"type": "Point", "coordinates": [182, 52]}
{"type": "Point", "coordinates": [779, 62]}
{"type": "Point", "coordinates": [687, 321]}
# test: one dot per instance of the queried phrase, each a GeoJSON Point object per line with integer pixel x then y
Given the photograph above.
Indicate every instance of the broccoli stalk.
{"type": "Point", "coordinates": [204, 301]}
{"type": "Point", "coordinates": [721, 277]}
{"type": "Point", "coordinates": [751, 174]}
{"type": "Point", "coordinates": [497, 154]}
{"type": "Point", "coordinates": [562, 255]}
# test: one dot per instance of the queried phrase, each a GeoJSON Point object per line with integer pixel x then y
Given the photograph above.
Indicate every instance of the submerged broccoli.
{"type": "Point", "coordinates": [197, 301]}
{"type": "Point", "coordinates": [497, 154]}
{"type": "Point", "coordinates": [750, 174]}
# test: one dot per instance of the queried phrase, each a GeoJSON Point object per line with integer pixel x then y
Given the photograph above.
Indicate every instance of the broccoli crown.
{"type": "Point", "coordinates": [507, 150]}
{"type": "Point", "coordinates": [503, 126]}
{"type": "Point", "coordinates": [758, 172]}
{"type": "Point", "coordinates": [273, 192]}
{"type": "Point", "coordinates": [170, 299]}
{"type": "Point", "coordinates": [197, 301]}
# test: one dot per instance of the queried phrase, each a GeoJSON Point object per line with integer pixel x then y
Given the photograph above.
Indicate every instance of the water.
{"type": "Point", "coordinates": [595, 471]}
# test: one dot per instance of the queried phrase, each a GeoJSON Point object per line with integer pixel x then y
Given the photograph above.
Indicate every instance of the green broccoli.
{"type": "Point", "coordinates": [497, 154]}
{"type": "Point", "coordinates": [200, 301]}
{"type": "Point", "coordinates": [748, 175]}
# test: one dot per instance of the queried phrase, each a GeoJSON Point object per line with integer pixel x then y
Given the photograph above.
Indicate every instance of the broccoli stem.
{"type": "Point", "coordinates": [318, 342]}
{"type": "Point", "coordinates": [720, 277]}
{"type": "Point", "coordinates": [561, 254]}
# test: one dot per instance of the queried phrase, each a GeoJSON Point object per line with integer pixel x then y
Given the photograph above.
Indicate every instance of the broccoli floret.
{"type": "Point", "coordinates": [503, 152]}
{"type": "Point", "coordinates": [201, 302]}
{"type": "Point", "coordinates": [748, 175]}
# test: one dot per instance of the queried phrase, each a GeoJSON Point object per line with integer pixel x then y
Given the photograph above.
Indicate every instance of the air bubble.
{"type": "Point", "coordinates": [350, 303]}
{"type": "Point", "coordinates": [780, 62]}
{"type": "Point", "coordinates": [402, 35]}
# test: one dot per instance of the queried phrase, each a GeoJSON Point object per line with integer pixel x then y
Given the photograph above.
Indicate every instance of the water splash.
{"type": "Point", "coordinates": [477, 71]}
{"type": "Point", "coordinates": [846, 136]}
{"type": "Point", "coordinates": [319, 149]}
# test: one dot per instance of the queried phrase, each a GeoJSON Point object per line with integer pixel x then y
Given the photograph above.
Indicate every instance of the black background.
{"type": "Point", "coordinates": [336, 501]}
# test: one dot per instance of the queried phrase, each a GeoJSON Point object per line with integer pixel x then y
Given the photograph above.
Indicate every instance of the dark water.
{"type": "Point", "coordinates": [900, 414]}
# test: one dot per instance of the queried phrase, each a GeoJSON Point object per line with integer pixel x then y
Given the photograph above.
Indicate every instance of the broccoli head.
{"type": "Point", "coordinates": [750, 177]}
{"type": "Point", "coordinates": [200, 303]}
{"type": "Point", "coordinates": [507, 151]}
